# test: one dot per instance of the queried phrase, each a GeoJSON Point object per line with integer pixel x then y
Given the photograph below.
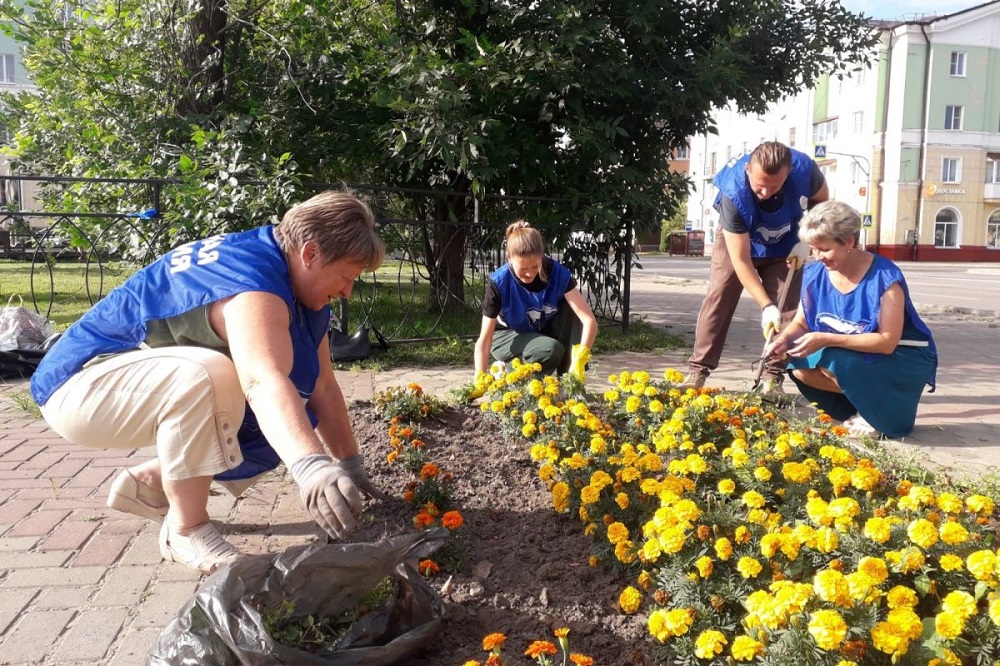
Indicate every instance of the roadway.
{"type": "Point", "coordinates": [962, 287]}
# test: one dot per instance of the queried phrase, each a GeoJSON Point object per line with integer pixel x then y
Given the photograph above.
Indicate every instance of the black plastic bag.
{"type": "Point", "coordinates": [355, 347]}
{"type": "Point", "coordinates": [221, 625]}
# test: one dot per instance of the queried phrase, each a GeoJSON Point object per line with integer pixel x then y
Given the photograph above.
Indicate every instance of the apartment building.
{"type": "Point", "coordinates": [912, 141]}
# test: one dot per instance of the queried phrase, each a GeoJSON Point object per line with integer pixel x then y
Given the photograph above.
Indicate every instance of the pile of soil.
{"type": "Point", "coordinates": [525, 571]}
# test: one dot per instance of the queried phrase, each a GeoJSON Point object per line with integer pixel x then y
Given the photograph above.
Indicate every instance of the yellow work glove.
{"type": "Point", "coordinates": [579, 356]}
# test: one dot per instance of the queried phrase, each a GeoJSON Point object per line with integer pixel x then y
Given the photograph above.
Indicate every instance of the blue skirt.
{"type": "Point", "coordinates": [884, 388]}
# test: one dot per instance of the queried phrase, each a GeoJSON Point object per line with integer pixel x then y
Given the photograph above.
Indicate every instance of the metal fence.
{"type": "Point", "coordinates": [442, 247]}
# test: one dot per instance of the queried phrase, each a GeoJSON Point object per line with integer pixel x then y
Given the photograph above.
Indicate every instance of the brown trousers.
{"type": "Point", "coordinates": [724, 291]}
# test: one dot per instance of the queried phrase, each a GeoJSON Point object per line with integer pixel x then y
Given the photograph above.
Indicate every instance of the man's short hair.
{"type": "Point", "coordinates": [772, 156]}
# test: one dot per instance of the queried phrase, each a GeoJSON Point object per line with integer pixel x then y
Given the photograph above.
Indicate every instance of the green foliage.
{"type": "Point", "coordinates": [408, 403]}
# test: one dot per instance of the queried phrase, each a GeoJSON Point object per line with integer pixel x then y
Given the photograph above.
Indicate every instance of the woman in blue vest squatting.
{"type": "Point", "coordinates": [534, 311]}
{"type": "Point", "coordinates": [858, 348]}
{"type": "Point", "coordinates": [762, 196]}
{"type": "Point", "coordinates": [217, 355]}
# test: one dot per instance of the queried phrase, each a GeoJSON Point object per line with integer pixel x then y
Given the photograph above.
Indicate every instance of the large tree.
{"type": "Point", "coordinates": [577, 100]}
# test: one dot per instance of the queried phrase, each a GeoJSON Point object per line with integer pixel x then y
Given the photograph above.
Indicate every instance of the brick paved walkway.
{"type": "Point", "coordinates": [82, 584]}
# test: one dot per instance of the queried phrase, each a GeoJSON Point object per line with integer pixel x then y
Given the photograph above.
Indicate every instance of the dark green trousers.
{"type": "Point", "coordinates": [551, 347]}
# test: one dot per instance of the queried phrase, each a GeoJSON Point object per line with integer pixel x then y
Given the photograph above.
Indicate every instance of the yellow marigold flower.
{"type": "Point", "coordinates": [601, 479]}
{"type": "Point", "coordinates": [493, 641]}
{"type": "Point", "coordinates": [961, 604]}
{"type": "Point", "coordinates": [994, 610]}
{"type": "Point", "coordinates": [847, 662]}
{"type": "Point", "coordinates": [746, 649]}
{"type": "Point", "coordinates": [705, 566]}
{"type": "Point", "coordinates": [611, 397]}
{"type": "Point", "coordinates": [727, 486]}
{"type": "Point", "coordinates": [749, 567]}
{"type": "Point", "coordinates": [593, 561]}
{"type": "Point", "coordinates": [709, 643]}
{"type": "Point", "coordinates": [663, 624]}
{"type": "Point", "coordinates": [723, 548]}
{"type": "Point", "coordinates": [953, 533]}
{"type": "Point", "coordinates": [922, 532]}
{"type": "Point", "coordinates": [625, 552]}
{"type": "Point", "coordinates": [840, 479]}
{"type": "Point", "coordinates": [844, 507]}
{"type": "Point", "coordinates": [922, 495]}
{"type": "Point", "coordinates": [589, 495]}
{"type": "Point", "coordinates": [979, 504]}
{"type": "Point", "coordinates": [672, 540]}
{"type": "Point", "coordinates": [617, 532]}
{"type": "Point", "coordinates": [472, 662]}
{"type": "Point", "coordinates": [645, 580]}
{"type": "Point", "coordinates": [901, 597]}
{"type": "Point", "coordinates": [866, 478]}
{"type": "Point", "coordinates": [874, 568]}
{"type": "Point", "coordinates": [742, 534]}
{"type": "Point", "coordinates": [560, 497]}
{"type": "Point", "coordinates": [825, 540]}
{"type": "Point", "coordinates": [630, 474]}
{"type": "Point", "coordinates": [632, 404]}
{"type": "Point", "coordinates": [740, 458]}
{"type": "Point", "coordinates": [762, 474]}
{"type": "Point", "coordinates": [948, 658]}
{"type": "Point", "coordinates": [795, 472]}
{"type": "Point", "coordinates": [598, 446]}
{"type": "Point", "coordinates": [951, 562]}
{"type": "Point", "coordinates": [757, 516]}
{"type": "Point", "coordinates": [948, 625]}
{"type": "Point", "coordinates": [651, 550]}
{"type": "Point", "coordinates": [862, 587]}
{"type": "Point", "coordinates": [622, 500]}
{"type": "Point", "coordinates": [673, 376]}
{"type": "Point", "coordinates": [831, 586]}
{"type": "Point", "coordinates": [584, 515]}
{"type": "Point", "coordinates": [907, 622]}
{"type": "Point", "coordinates": [950, 503]}
{"type": "Point", "coordinates": [910, 560]}
{"type": "Point", "coordinates": [818, 511]}
{"type": "Point", "coordinates": [529, 430]}
{"type": "Point", "coordinates": [753, 499]}
{"type": "Point", "coordinates": [828, 629]}
{"type": "Point", "coordinates": [629, 600]}
{"type": "Point", "coordinates": [888, 638]}
{"type": "Point", "coordinates": [982, 564]}
{"type": "Point", "coordinates": [655, 406]}
{"type": "Point", "coordinates": [878, 529]}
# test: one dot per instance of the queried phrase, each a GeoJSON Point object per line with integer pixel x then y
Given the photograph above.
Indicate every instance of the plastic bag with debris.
{"type": "Point", "coordinates": [222, 623]}
{"type": "Point", "coordinates": [21, 328]}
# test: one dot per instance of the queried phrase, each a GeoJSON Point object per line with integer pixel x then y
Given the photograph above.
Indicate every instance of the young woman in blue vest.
{"type": "Point", "coordinates": [762, 196]}
{"type": "Point", "coordinates": [216, 354]}
{"type": "Point", "coordinates": [858, 348]}
{"type": "Point", "coordinates": [534, 311]}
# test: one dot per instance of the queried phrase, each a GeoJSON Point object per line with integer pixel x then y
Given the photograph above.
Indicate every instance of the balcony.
{"type": "Point", "coordinates": [991, 191]}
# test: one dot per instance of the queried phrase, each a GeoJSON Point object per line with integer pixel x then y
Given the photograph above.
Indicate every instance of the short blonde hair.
{"type": "Point", "coordinates": [339, 223]}
{"type": "Point", "coordinates": [830, 221]}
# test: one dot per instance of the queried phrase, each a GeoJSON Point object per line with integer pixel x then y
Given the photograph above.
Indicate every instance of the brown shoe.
{"type": "Point", "coordinates": [694, 380]}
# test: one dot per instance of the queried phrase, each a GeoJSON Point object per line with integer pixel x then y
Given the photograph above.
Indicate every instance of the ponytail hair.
{"type": "Point", "coordinates": [523, 240]}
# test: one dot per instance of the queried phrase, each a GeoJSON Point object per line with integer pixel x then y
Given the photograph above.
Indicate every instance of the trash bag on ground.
{"type": "Point", "coordinates": [25, 336]}
{"type": "Point", "coordinates": [222, 623]}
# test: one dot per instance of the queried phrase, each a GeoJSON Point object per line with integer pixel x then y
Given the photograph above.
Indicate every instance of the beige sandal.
{"type": "Point", "coordinates": [124, 496]}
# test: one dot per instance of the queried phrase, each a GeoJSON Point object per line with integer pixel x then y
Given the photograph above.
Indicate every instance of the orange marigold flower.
{"type": "Point", "coordinates": [432, 509]}
{"type": "Point", "coordinates": [391, 456]}
{"type": "Point", "coordinates": [417, 443]}
{"type": "Point", "coordinates": [493, 641]}
{"type": "Point", "coordinates": [494, 660]}
{"type": "Point", "coordinates": [538, 648]}
{"type": "Point", "coordinates": [428, 567]}
{"type": "Point", "coordinates": [408, 495]}
{"type": "Point", "coordinates": [561, 632]}
{"type": "Point", "coordinates": [452, 520]}
{"type": "Point", "coordinates": [581, 660]}
{"type": "Point", "coordinates": [423, 519]}
{"type": "Point", "coordinates": [429, 471]}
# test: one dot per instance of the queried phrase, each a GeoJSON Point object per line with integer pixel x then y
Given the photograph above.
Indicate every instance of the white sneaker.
{"type": "Point", "coordinates": [203, 549]}
{"type": "Point", "coordinates": [857, 426]}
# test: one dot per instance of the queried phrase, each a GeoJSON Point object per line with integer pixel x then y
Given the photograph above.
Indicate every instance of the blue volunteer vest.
{"type": "Point", "coordinates": [772, 235]}
{"type": "Point", "coordinates": [188, 277]}
{"type": "Point", "coordinates": [829, 311]}
{"type": "Point", "coordinates": [527, 311]}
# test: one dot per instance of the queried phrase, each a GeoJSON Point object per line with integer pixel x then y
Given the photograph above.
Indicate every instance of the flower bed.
{"type": "Point", "coordinates": [752, 539]}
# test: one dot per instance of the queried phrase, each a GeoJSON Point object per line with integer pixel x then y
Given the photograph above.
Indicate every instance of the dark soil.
{"type": "Point", "coordinates": [525, 570]}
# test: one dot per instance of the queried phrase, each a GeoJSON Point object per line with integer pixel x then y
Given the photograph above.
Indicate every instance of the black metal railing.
{"type": "Point", "coordinates": [73, 259]}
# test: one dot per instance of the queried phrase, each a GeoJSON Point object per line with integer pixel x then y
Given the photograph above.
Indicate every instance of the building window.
{"type": "Point", "coordinates": [682, 153]}
{"type": "Point", "coordinates": [729, 153]}
{"type": "Point", "coordinates": [6, 68]}
{"type": "Point", "coordinates": [859, 122]}
{"type": "Point", "coordinates": [857, 174]}
{"type": "Point", "coordinates": [825, 131]}
{"type": "Point", "coordinates": [957, 63]}
{"type": "Point", "coordinates": [952, 117]}
{"type": "Point", "coordinates": [946, 229]}
{"type": "Point", "coordinates": [791, 137]}
{"type": "Point", "coordinates": [711, 163]}
{"type": "Point", "coordinates": [861, 77]}
{"type": "Point", "coordinates": [993, 168]}
{"type": "Point", "coordinates": [951, 169]}
{"type": "Point", "coordinates": [993, 231]}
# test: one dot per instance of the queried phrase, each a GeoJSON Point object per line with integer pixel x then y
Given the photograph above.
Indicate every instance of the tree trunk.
{"type": "Point", "coordinates": [445, 249]}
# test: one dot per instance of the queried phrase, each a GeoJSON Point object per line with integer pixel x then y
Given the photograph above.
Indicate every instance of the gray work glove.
{"type": "Point", "coordinates": [328, 493]}
{"type": "Point", "coordinates": [354, 466]}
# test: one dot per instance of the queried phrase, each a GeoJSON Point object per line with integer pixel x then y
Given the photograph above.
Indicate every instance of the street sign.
{"type": "Point", "coordinates": [819, 151]}
{"type": "Point", "coordinates": [866, 220]}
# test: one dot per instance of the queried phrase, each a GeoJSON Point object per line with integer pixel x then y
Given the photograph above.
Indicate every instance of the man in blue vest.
{"type": "Point", "coordinates": [216, 354]}
{"type": "Point", "coordinates": [762, 196]}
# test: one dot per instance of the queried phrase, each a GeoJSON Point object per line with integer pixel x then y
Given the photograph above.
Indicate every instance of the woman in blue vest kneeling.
{"type": "Point", "coordinates": [859, 349]}
{"type": "Point", "coordinates": [534, 311]}
{"type": "Point", "coordinates": [216, 354]}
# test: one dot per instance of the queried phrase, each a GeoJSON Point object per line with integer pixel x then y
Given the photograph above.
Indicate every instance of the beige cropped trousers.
{"type": "Point", "coordinates": [185, 401]}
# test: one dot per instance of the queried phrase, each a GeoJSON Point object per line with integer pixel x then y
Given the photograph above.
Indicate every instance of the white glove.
{"type": "Point", "coordinates": [770, 320]}
{"type": "Point", "coordinates": [328, 493]}
{"type": "Point", "coordinates": [354, 466]}
{"type": "Point", "coordinates": [802, 252]}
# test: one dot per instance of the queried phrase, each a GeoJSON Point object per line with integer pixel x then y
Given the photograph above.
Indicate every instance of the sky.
{"type": "Point", "coordinates": [891, 9]}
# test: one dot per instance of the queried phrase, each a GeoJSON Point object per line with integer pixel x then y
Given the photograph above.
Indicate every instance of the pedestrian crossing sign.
{"type": "Point", "coordinates": [819, 151]}
{"type": "Point", "coordinates": [866, 220]}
